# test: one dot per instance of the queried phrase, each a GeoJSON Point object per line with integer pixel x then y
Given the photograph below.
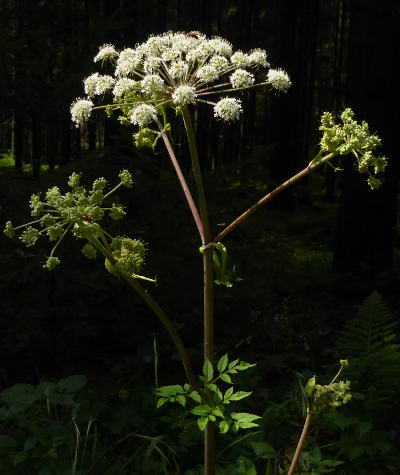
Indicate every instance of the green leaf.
{"type": "Point", "coordinates": [195, 396]}
{"type": "Point", "coordinates": [181, 400]}
{"type": "Point", "coordinates": [240, 395]}
{"type": "Point", "coordinates": [161, 402]}
{"type": "Point", "coordinates": [225, 377]}
{"type": "Point", "coordinates": [224, 427]}
{"type": "Point", "coordinates": [18, 393]}
{"type": "Point", "coordinates": [263, 450]}
{"type": "Point", "coordinates": [202, 410]}
{"type": "Point", "coordinates": [228, 394]}
{"type": "Point", "coordinates": [73, 383]}
{"type": "Point", "coordinates": [218, 396]}
{"type": "Point", "coordinates": [208, 371]}
{"type": "Point", "coordinates": [218, 411]}
{"type": "Point", "coordinates": [212, 387]}
{"type": "Point", "coordinates": [30, 443]}
{"type": "Point", "coordinates": [244, 416]}
{"type": "Point", "coordinates": [169, 391]}
{"type": "Point", "coordinates": [19, 457]}
{"type": "Point", "coordinates": [202, 422]}
{"type": "Point", "coordinates": [243, 366]}
{"type": "Point", "coordinates": [222, 363]}
{"type": "Point", "coordinates": [233, 363]}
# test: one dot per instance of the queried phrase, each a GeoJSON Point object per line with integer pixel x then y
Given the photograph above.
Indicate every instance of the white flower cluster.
{"type": "Point", "coordinates": [177, 69]}
{"type": "Point", "coordinates": [279, 79]}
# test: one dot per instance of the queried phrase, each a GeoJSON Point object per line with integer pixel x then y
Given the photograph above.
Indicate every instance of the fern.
{"type": "Point", "coordinates": [368, 341]}
{"type": "Point", "coordinates": [370, 331]}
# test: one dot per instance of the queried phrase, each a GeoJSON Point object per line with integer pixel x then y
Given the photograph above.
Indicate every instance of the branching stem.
{"type": "Point", "coordinates": [182, 180]}
{"type": "Point", "coordinates": [270, 195]}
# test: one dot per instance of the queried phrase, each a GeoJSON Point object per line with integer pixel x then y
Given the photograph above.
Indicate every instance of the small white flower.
{"type": "Point", "coordinates": [90, 84]}
{"type": "Point", "coordinates": [207, 74]}
{"type": "Point", "coordinates": [241, 78]}
{"type": "Point", "coordinates": [129, 60]}
{"type": "Point", "coordinates": [105, 52]}
{"type": "Point", "coordinates": [219, 62]}
{"type": "Point", "coordinates": [104, 83]}
{"type": "Point", "coordinates": [228, 109]}
{"type": "Point", "coordinates": [143, 114]}
{"type": "Point", "coordinates": [258, 57]}
{"type": "Point", "coordinates": [279, 79]}
{"type": "Point", "coordinates": [178, 69]}
{"type": "Point", "coordinates": [170, 54]}
{"type": "Point", "coordinates": [151, 64]}
{"type": "Point", "coordinates": [81, 110]}
{"type": "Point", "coordinates": [151, 84]}
{"type": "Point", "coordinates": [124, 85]}
{"type": "Point", "coordinates": [240, 59]}
{"type": "Point", "coordinates": [221, 46]}
{"type": "Point", "coordinates": [184, 95]}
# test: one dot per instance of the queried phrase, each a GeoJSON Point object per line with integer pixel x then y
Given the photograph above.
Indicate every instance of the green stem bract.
{"type": "Point", "coordinates": [208, 299]}
{"type": "Point", "coordinates": [270, 195]}
{"type": "Point", "coordinates": [157, 310]}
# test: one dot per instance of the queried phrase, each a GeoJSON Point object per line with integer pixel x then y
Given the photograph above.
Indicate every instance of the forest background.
{"type": "Point", "coordinates": [323, 246]}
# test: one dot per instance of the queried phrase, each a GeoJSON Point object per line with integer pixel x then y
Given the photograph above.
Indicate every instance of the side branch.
{"type": "Point", "coordinates": [168, 326]}
{"type": "Point", "coordinates": [270, 195]}
{"type": "Point", "coordinates": [158, 311]}
{"type": "Point", "coordinates": [182, 181]}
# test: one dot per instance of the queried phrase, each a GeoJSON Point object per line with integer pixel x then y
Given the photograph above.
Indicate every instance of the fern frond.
{"type": "Point", "coordinates": [371, 330]}
{"type": "Point", "coordinates": [368, 341]}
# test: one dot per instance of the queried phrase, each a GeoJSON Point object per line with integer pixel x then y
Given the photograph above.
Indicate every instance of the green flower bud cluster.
{"type": "Point", "coordinates": [355, 138]}
{"type": "Point", "coordinates": [79, 211]}
{"type": "Point", "coordinates": [129, 254]}
{"type": "Point", "coordinates": [322, 398]}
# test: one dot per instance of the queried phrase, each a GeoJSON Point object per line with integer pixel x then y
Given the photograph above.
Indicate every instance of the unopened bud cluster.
{"type": "Point", "coordinates": [176, 69]}
{"type": "Point", "coordinates": [352, 137]}
{"type": "Point", "coordinates": [78, 211]}
{"type": "Point", "coordinates": [322, 398]}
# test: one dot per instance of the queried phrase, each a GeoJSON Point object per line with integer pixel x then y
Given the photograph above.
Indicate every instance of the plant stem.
{"type": "Point", "coordinates": [300, 442]}
{"type": "Point", "coordinates": [270, 195]}
{"type": "Point", "coordinates": [208, 281]}
{"type": "Point", "coordinates": [182, 180]}
{"type": "Point", "coordinates": [157, 310]}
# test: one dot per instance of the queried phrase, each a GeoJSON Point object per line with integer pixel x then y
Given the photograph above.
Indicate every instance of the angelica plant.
{"type": "Point", "coordinates": [177, 71]}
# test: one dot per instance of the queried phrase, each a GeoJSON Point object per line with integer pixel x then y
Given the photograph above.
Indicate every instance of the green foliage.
{"type": "Point", "coordinates": [212, 401]}
{"type": "Point", "coordinates": [369, 341]}
{"type": "Point", "coordinates": [39, 428]}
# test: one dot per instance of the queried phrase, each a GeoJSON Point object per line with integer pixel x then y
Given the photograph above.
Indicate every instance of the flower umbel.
{"type": "Point", "coordinates": [81, 211]}
{"type": "Point", "coordinates": [352, 137]}
{"type": "Point", "coordinates": [178, 70]}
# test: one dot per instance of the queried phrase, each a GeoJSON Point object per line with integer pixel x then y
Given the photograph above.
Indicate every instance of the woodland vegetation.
{"type": "Point", "coordinates": [320, 264]}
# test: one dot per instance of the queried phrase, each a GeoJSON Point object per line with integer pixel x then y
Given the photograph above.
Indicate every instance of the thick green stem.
{"type": "Point", "coordinates": [300, 443]}
{"type": "Point", "coordinates": [270, 195]}
{"type": "Point", "coordinates": [157, 310]}
{"type": "Point", "coordinates": [208, 279]}
{"type": "Point", "coordinates": [182, 180]}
